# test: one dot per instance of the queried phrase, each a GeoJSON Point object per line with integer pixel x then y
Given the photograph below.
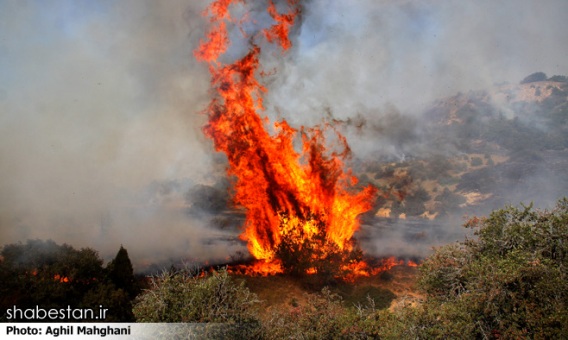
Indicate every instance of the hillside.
{"type": "Point", "coordinates": [463, 155]}
{"type": "Point", "coordinates": [484, 149]}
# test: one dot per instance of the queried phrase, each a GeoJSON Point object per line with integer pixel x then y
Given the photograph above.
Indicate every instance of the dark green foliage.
{"type": "Point", "coordinates": [508, 283]}
{"type": "Point", "coordinates": [47, 259]}
{"type": "Point", "coordinates": [120, 272]}
{"type": "Point", "coordinates": [534, 77]}
{"type": "Point", "coordinates": [116, 300]}
{"type": "Point", "coordinates": [48, 275]}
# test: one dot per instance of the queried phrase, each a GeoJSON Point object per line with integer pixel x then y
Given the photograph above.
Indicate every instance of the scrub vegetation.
{"type": "Point", "coordinates": [507, 281]}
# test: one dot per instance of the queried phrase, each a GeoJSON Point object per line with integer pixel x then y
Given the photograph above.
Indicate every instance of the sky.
{"type": "Point", "coordinates": [100, 101]}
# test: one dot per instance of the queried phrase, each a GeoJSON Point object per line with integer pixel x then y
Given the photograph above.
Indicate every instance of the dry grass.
{"type": "Point", "coordinates": [388, 289]}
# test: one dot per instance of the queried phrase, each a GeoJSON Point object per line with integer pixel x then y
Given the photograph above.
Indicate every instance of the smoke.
{"type": "Point", "coordinates": [370, 53]}
{"type": "Point", "coordinates": [378, 65]}
{"type": "Point", "coordinates": [100, 139]}
{"type": "Point", "coordinates": [100, 102]}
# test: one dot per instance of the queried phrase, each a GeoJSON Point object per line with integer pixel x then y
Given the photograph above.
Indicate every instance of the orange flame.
{"type": "Point", "coordinates": [284, 191]}
{"type": "Point", "coordinates": [258, 268]}
{"type": "Point", "coordinates": [61, 278]}
{"type": "Point", "coordinates": [387, 264]}
{"type": "Point", "coordinates": [411, 263]}
{"type": "Point", "coordinates": [279, 32]}
{"type": "Point", "coordinates": [57, 277]}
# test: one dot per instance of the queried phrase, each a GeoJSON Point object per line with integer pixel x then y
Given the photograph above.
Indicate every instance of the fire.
{"type": "Point", "coordinates": [57, 277]}
{"type": "Point", "coordinates": [297, 201]}
{"type": "Point", "coordinates": [258, 268]}
{"type": "Point", "coordinates": [280, 31]}
{"type": "Point", "coordinates": [61, 278]}
{"type": "Point", "coordinates": [387, 264]}
{"type": "Point", "coordinates": [411, 263]}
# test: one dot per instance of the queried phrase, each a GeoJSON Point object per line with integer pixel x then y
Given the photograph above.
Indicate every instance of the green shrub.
{"type": "Point", "coordinates": [185, 297]}
{"type": "Point", "coordinates": [323, 316]}
{"type": "Point", "coordinates": [509, 282]}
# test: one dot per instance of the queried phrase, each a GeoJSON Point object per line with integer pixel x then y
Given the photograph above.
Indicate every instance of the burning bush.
{"type": "Point", "coordinates": [302, 206]}
{"type": "Point", "coordinates": [307, 250]}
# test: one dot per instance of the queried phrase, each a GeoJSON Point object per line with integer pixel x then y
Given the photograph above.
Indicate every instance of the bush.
{"type": "Point", "coordinates": [301, 254]}
{"type": "Point", "coordinates": [476, 161]}
{"type": "Point", "coordinates": [537, 76]}
{"type": "Point", "coordinates": [184, 296]}
{"type": "Point", "coordinates": [48, 275]}
{"type": "Point", "coordinates": [509, 282]}
{"type": "Point", "coordinates": [322, 316]}
{"type": "Point", "coordinates": [560, 79]}
{"type": "Point", "coordinates": [447, 201]}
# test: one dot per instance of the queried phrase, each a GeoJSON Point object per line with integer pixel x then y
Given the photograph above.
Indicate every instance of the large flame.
{"type": "Point", "coordinates": [301, 195]}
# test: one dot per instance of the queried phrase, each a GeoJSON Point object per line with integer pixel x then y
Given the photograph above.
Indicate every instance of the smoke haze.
{"type": "Point", "coordinates": [100, 140]}
{"type": "Point", "coordinates": [365, 54]}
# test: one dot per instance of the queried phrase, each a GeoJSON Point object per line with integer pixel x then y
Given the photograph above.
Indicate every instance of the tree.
{"type": "Point", "coordinates": [116, 300]}
{"type": "Point", "coordinates": [476, 161]}
{"type": "Point", "coordinates": [534, 77]}
{"type": "Point", "coordinates": [447, 201]}
{"type": "Point", "coordinates": [414, 203]}
{"type": "Point", "coordinates": [558, 78]}
{"type": "Point", "coordinates": [45, 274]}
{"type": "Point", "coordinates": [121, 273]}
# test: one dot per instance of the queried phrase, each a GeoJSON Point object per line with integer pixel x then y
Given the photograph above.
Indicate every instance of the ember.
{"type": "Point", "coordinates": [302, 207]}
{"type": "Point", "coordinates": [60, 278]}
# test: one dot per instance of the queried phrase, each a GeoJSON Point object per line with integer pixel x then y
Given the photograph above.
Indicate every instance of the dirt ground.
{"type": "Point", "coordinates": [393, 288]}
